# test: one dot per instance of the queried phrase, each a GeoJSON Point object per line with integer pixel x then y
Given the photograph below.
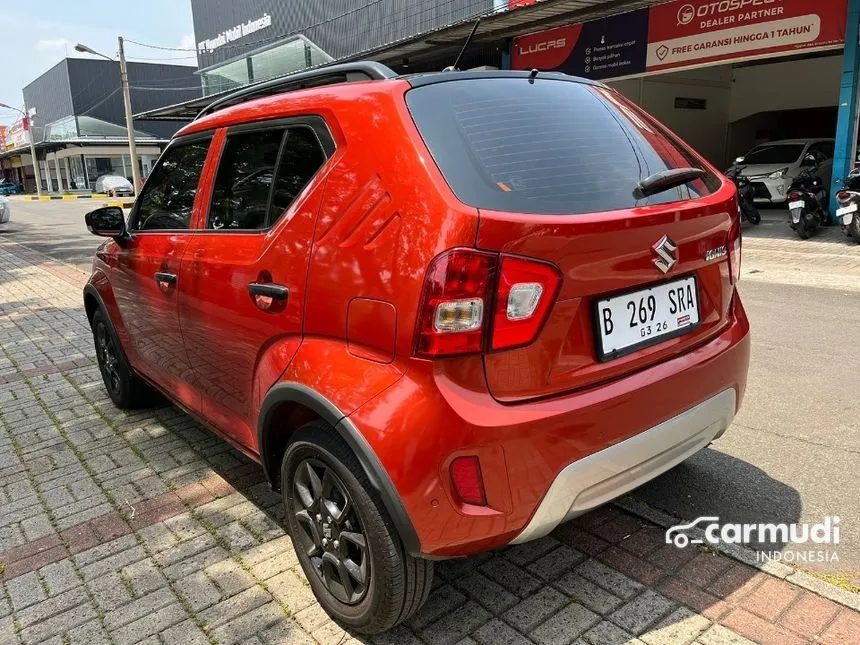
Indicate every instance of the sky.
{"type": "Point", "coordinates": [38, 34]}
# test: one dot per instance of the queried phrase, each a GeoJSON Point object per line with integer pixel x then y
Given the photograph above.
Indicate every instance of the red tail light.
{"type": "Point", "coordinates": [735, 251]}
{"type": "Point", "coordinates": [465, 289]}
{"type": "Point", "coordinates": [843, 196]}
{"type": "Point", "coordinates": [526, 292]}
{"type": "Point", "coordinates": [795, 196]}
{"type": "Point", "coordinates": [468, 481]}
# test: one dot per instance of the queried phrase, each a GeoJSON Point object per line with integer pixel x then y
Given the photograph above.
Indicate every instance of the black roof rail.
{"type": "Point", "coordinates": [365, 70]}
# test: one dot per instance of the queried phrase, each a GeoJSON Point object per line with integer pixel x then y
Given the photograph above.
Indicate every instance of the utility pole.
{"type": "Point", "coordinates": [36, 171]}
{"type": "Point", "coordinates": [129, 121]}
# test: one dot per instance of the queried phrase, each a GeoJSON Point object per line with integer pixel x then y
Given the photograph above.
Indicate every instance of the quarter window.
{"type": "Point", "coordinates": [167, 201]}
{"type": "Point", "coordinates": [301, 159]}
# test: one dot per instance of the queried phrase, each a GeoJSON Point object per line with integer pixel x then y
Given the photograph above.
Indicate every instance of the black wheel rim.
{"type": "Point", "coordinates": [330, 531]}
{"type": "Point", "coordinates": [106, 355]}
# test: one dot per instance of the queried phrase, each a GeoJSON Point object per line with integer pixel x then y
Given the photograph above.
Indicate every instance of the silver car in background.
{"type": "Point", "coordinates": [114, 186]}
{"type": "Point", "coordinates": [5, 210]}
{"type": "Point", "coordinates": [771, 167]}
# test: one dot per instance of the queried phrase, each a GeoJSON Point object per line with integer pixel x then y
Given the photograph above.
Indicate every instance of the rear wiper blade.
{"type": "Point", "coordinates": [666, 180]}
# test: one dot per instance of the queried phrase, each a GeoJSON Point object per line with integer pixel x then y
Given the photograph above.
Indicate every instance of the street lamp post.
{"type": "Point", "coordinates": [126, 98]}
{"type": "Point", "coordinates": [36, 172]}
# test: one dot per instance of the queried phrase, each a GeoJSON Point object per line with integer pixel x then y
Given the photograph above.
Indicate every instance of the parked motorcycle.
{"type": "Point", "coordinates": [848, 199]}
{"type": "Point", "coordinates": [746, 194]}
{"type": "Point", "coordinates": [807, 200]}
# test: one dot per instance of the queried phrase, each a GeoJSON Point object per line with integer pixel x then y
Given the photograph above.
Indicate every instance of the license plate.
{"type": "Point", "coordinates": [634, 320]}
{"type": "Point", "coordinates": [793, 205]}
{"type": "Point", "coordinates": [851, 208]}
{"type": "Point", "coordinates": [795, 215]}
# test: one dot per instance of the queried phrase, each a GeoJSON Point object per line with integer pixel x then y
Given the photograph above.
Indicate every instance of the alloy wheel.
{"type": "Point", "coordinates": [107, 358]}
{"type": "Point", "coordinates": [331, 532]}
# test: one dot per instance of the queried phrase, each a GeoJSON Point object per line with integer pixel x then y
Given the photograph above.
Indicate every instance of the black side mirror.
{"type": "Point", "coordinates": [809, 161]}
{"type": "Point", "coordinates": [107, 222]}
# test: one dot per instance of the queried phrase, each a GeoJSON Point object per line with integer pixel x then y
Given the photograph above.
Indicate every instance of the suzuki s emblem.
{"type": "Point", "coordinates": [667, 254]}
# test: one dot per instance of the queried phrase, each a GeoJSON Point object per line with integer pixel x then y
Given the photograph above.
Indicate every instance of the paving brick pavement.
{"type": "Point", "coordinates": [145, 528]}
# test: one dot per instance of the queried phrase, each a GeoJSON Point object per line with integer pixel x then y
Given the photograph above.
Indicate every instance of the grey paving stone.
{"type": "Point", "coordinates": [281, 547]}
{"type": "Point", "coordinates": [555, 563]}
{"type": "Point", "coordinates": [442, 600]}
{"type": "Point", "coordinates": [286, 632]}
{"type": "Point", "coordinates": [25, 591]}
{"type": "Point", "coordinates": [291, 590]}
{"type": "Point", "coordinates": [681, 626]}
{"type": "Point", "coordinates": [141, 607]}
{"type": "Point", "coordinates": [37, 527]}
{"type": "Point", "coordinates": [608, 634]}
{"type": "Point", "coordinates": [51, 607]}
{"type": "Point", "coordinates": [144, 576]}
{"type": "Point", "coordinates": [153, 623]}
{"type": "Point", "coordinates": [532, 611]}
{"type": "Point", "coordinates": [510, 576]}
{"type": "Point", "coordinates": [642, 612]}
{"type": "Point", "coordinates": [199, 591]}
{"type": "Point", "coordinates": [229, 577]}
{"type": "Point", "coordinates": [105, 550]}
{"type": "Point", "coordinates": [457, 624]}
{"type": "Point", "coordinates": [490, 595]}
{"type": "Point", "coordinates": [237, 537]}
{"type": "Point", "coordinates": [185, 633]}
{"type": "Point", "coordinates": [523, 554]}
{"type": "Point", "coordinates": [190, 547]}
{"type": "Point", "coordinates": [242, 628]}
{"type": "Point", "coordinates": [312, 618]}
{"type": "Point", "coordinates": [614, 582]}
{"type": "Point", "coordinates": [57, 624]}
{"type": "Point", "coordinates": [108, 592]}
{"type": "Point", "coordinates": [195, 563]}
{"type": "Point", "coordinates": [234, 607]}
{"type": "Point", "coordinates": [587, 593]}
{"type": "Point", "coordinates": [564, 626]}
{"type": "Point", "coordinates": [497, 632]}
{"type": "Point", "coordinates": [90, 633]}
{"type": "Point", "coordinates": [59, 577]}
{"type": "Point", "coordinates": [113, 562]}
{"type": "Point", "coordinates": [274, 565]}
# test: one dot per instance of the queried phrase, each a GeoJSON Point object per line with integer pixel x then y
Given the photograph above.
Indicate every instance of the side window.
{"type": "Point", "coordinates": [301, 158]}
{"type": "Point", "coordinates": [240, 198]}
{"type": "Point", "coordinates": [824, 150]}
{"type": "Point", "coordinates": [168, 198]}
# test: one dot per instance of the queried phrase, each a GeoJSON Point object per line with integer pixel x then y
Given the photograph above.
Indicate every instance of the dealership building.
{"type": "Point", "coordinates": [724, 74]}
{"type": "Point", "coordinates": [77, 121]}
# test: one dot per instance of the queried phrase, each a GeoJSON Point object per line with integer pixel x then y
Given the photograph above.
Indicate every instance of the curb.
{"type": "Point", "coordinates": [48, 198]}
{"type": "Point", "coordinates": [747, 556]}
{"type": "Point", "coordinates": [119, 204]}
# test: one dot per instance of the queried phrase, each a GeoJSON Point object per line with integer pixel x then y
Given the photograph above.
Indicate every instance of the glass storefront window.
{"type": "Point", "coordinates": [291, 56]}
{"type": "Point", "coordinates": [60, 130]}
{"type": "Point", "coordinates": [90, 127]}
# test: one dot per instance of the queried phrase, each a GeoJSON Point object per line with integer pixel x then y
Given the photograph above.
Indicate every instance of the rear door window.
{"type": "Point", "coordinates": [548, 147]}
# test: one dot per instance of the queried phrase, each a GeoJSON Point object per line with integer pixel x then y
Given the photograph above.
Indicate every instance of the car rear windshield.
{"type": "Point", "coordinates": [547, 147]}
{"type": "Point", "coordinates": [774, 154]}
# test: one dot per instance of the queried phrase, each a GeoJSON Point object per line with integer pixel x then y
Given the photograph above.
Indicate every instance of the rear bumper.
{"type": "Point", "coordinates": [594, 480]}
{"type": "Point", "coordinates": [545, 460]}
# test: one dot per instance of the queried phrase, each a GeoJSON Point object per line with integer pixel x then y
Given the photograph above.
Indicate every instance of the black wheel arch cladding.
{"type": "Point", "coordinates": [328, 412]}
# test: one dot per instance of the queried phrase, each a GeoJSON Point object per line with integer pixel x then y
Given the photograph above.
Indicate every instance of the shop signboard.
{"type": "Point", "coordinates": [686, 33]}
{"type": "Point", "coordinates": [683, 34]}
{"type": "Point", "coordinates": [2, 138]}
{"type": "Point", "coordinates": [18, 134]}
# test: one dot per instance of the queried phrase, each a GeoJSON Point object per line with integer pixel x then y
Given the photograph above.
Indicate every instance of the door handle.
{"type": "Point", "coordinates": [165, 280]}
{"type": "Point", "coordinates": [265, 294]}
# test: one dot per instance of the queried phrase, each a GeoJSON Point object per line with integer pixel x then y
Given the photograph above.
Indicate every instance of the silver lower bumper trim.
{"type": "Point", "coordinates": [594, 480]}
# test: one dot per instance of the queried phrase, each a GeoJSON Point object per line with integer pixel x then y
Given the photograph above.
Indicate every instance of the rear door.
{"type": "Point", "coordinates": [553, 167]}
{"type": "Point", "coordinates": [243, 291]}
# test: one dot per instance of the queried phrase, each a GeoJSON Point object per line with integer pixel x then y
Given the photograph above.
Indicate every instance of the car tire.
{"type": "Point", "coordinates": [385, 585]}
{"type": "Point", "coordinates": [125, 389]}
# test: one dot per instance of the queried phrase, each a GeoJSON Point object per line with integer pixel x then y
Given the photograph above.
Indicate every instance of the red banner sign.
{"type": "Point", "coordinates": [692, 32]}
{"type": "Point", "coordinates": [682, 34]}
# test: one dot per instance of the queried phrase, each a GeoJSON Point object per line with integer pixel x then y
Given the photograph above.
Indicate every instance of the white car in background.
{"type": "Point", "coordinates": [5, 210]}
{"type": "Point", "coordinates": [771, 167]}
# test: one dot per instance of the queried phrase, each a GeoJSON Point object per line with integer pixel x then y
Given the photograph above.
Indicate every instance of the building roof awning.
{"type": "Point", "coordinates": [544, 14]}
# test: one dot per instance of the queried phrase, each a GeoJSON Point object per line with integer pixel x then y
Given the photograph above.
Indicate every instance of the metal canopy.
{"type": "Point", "coordinates": [494, 27]}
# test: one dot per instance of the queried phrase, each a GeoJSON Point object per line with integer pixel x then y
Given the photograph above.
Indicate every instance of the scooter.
{"type": "Point", "coordinates": [848, 199]}
{"type": "Point", "coordinates": [806, 200]}
{"type": "Point", "coordinates": [746, 195]}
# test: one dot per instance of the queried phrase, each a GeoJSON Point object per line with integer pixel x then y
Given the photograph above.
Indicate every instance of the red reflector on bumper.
{"type": "Point", "coordinates": [468, 481]}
